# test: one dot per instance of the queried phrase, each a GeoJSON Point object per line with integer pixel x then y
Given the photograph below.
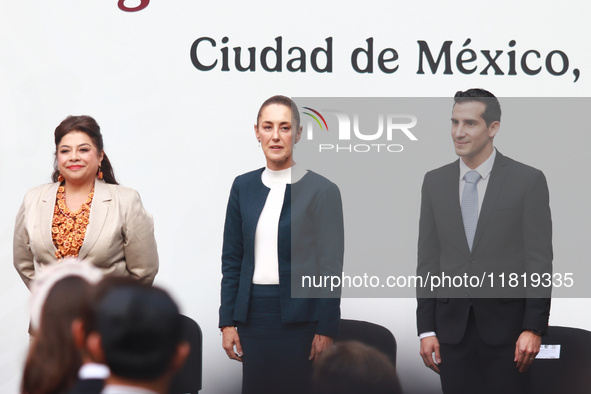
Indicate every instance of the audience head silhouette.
{"type": "Point", "coordinates": [138, 334]}
{"type": "Point", "coordinates": [352, 367]}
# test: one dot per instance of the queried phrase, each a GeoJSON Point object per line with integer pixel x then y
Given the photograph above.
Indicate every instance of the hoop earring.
{"type": "Point", "coordinates": [259, 143]}
{"type": "Point", "coordinates": [60, 178]}
{"type": "Point", "coordinates": [99, 175]}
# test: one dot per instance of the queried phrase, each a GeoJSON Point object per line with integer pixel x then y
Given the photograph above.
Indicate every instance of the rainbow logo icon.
{"type": "Point", "coordinates": [316, 119]}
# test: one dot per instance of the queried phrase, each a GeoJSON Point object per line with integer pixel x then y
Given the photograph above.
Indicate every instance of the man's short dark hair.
{"type": "Point", "coordinates": [492, 112]}
{"type": "Point", "coordinates": [140, 329]}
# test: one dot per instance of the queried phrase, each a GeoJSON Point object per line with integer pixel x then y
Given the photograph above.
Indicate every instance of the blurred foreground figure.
{"type": "Point", "coordinates": [352, 368]}
{"type": "Point", "coordinates": [92, 374]}
{"type": "Point", "coordinates": [60, 294]}
{"type": "Point", "coordinates": [139, 336]}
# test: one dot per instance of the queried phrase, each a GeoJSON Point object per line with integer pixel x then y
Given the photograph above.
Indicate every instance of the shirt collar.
{"type": "Point", "coordinates": [93, 371]}
{"type": "Point", "coordinates": [282, 177]}
{"type": "Point", "coordinates": [484, 169]}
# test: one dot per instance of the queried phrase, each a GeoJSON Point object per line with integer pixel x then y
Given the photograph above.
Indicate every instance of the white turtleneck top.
{"type": "Point", "coordinates": [266, 260]}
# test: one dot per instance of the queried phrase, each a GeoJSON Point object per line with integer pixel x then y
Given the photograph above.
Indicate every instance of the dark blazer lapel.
{"type": "Point", "coordinates": [99, 211]}
{"type": "Point", "coordinates": [497, 176]}
{"type": "Point", "coordinates": [284, 241]}
{"type": "Point", "coordinates": [450, 198]}
{"type": "Point", "coordinates": [256, 194]}
{"type": "Point", "coordinates": [46, 218]}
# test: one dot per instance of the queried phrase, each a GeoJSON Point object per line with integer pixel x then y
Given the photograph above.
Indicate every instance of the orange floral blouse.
{"type": "Point", "coordinates": [69, 228]}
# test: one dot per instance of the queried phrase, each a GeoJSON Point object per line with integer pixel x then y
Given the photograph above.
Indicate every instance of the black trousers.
{"type": "Point", "coordinates": [276, 354]}
{"type": "Point", "coordinates": [475, 367]}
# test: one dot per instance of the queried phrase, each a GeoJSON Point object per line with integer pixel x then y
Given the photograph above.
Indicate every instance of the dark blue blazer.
{"type": "Point", "coordinates": [513, 235]}
{"type": "Point", "coordinates": [310, 242]}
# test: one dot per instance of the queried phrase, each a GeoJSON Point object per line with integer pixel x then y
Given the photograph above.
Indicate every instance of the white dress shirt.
{"type": "Point", "coordinates": [484, 170]}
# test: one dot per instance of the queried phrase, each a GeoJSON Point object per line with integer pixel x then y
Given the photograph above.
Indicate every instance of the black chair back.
{"type": "Point", "coordinates": [570, 373]}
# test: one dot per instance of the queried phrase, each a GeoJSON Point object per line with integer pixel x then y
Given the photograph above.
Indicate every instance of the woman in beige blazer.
{"type": "Point", "coordinates": [84, 213]}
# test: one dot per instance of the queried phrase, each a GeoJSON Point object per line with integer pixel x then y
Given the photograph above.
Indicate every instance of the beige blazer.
{"type": "Point", "coordinates": [119, 238]}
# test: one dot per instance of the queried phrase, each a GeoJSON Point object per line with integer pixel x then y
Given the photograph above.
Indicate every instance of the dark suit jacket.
{"type": "Point", "coordinates": [513, 235]}
{"type": "Point", "coordinates": [87, 386]}
{"type": "Point", "coordinates": [311, 241]}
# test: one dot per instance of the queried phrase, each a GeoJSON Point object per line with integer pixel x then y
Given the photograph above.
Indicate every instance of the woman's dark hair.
{"type": "Point", "coordinates": [283, 100]}
{"type": "Point", "coordinates": [53, 361]}
{"type": "Point", "coordinates": [88, 125]}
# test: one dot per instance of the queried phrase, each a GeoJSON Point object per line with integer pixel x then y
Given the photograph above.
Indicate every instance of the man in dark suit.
{"type": "Point", "coordinates": [483, 216]}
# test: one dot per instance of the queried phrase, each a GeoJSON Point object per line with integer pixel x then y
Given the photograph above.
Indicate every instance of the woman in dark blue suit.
{"type": "Point", "coordinates": [282, 222]}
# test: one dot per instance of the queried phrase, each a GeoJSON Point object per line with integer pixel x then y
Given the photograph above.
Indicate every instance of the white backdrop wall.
{"type": "Point", "coordinates": [180, 135]}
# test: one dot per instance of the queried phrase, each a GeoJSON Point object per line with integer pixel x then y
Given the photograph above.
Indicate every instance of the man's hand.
{"type": "Point", "coordinates": [230, 339]}
{"type": "Point", "coordinates": [527, 348]}
{"type": "Point", "coordinates": [430, 345]}
{"type": "Point", "coordinates": [320, 343]}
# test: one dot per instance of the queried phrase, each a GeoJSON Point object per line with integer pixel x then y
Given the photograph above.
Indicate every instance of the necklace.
{"type": "Point", "coordinates": [69, 228]}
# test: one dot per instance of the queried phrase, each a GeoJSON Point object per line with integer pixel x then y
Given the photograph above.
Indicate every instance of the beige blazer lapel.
{"type": "Point", "coordinates": [98, 215]}
{"type": "Point", "coordinates": [46, 218]}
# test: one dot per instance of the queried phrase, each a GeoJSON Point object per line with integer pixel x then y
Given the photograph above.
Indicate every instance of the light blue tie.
{"type": "Point", "coordinates": [470, 205]}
